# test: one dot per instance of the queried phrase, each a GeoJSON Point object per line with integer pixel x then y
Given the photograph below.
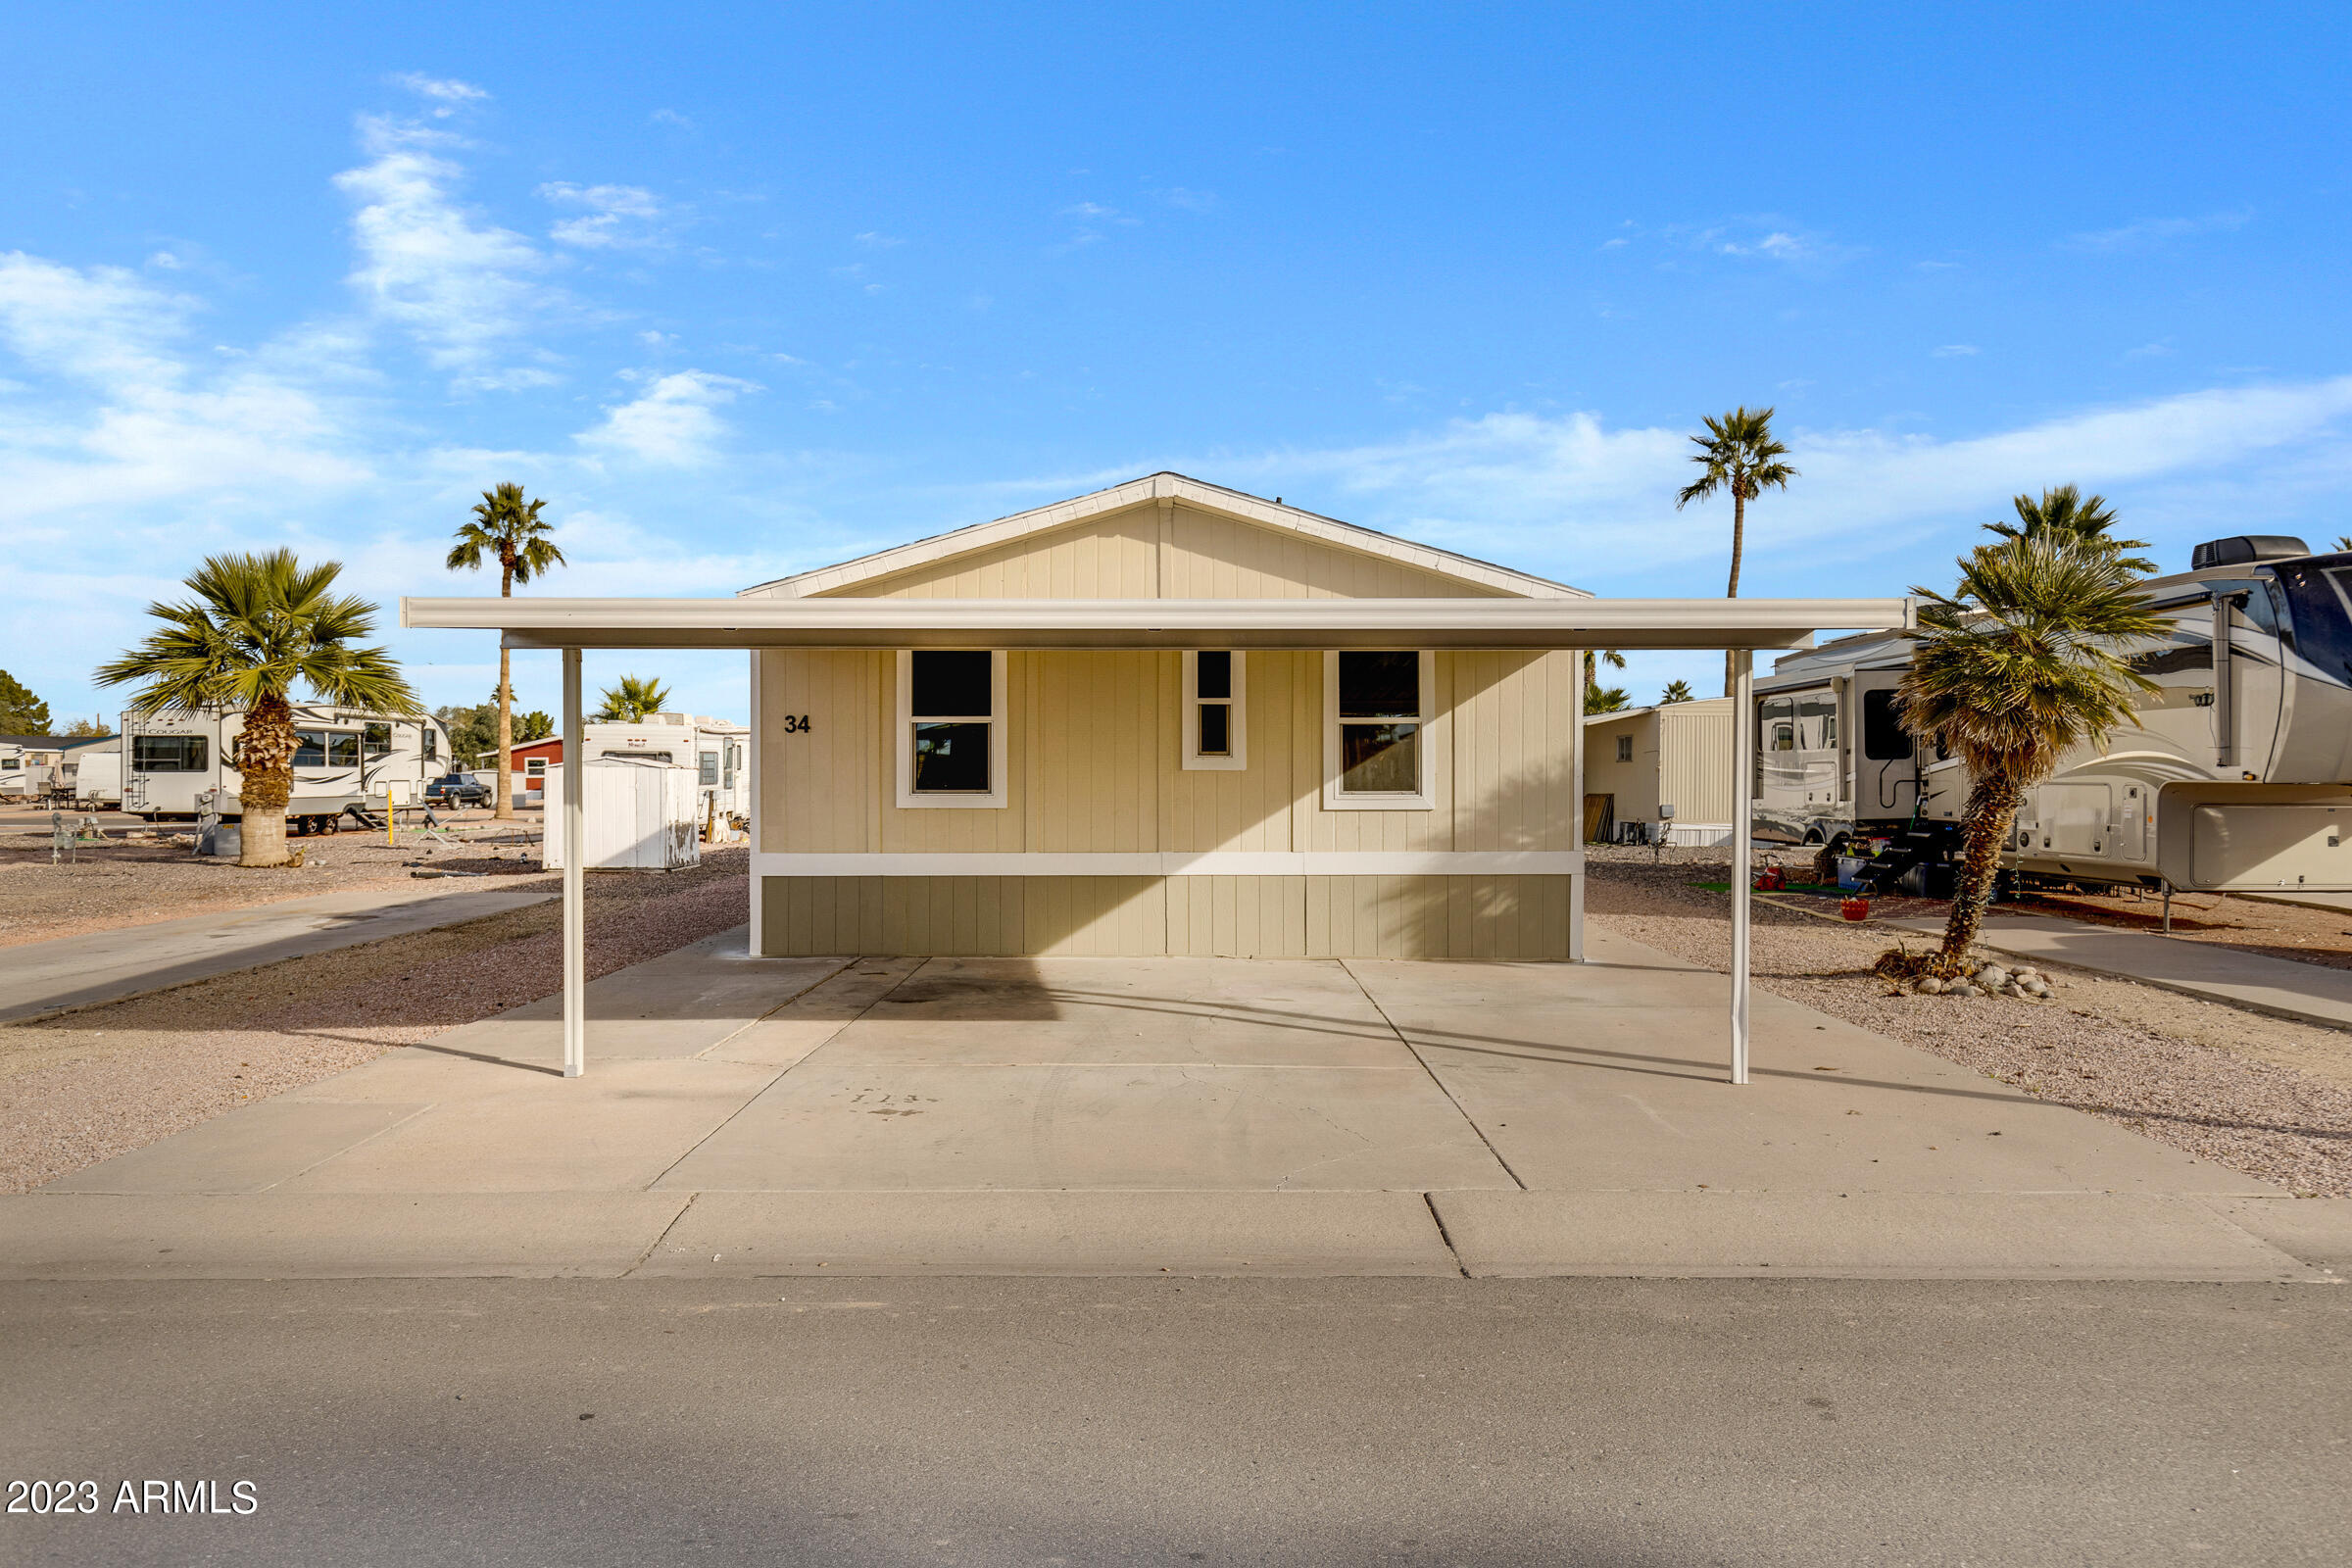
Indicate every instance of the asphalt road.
{"type": "Point", "coordinates": [1076, 1421]}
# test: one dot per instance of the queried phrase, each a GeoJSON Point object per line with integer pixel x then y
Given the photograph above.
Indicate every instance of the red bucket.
{"type": "Point", "coordinates": [1856, 909]}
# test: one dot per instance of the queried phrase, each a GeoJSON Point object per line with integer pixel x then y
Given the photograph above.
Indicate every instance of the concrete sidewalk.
{"type": "Point", "coordinates": [2310, 993]}
{"type": "Point", "coordinates": [759, 1117]}
{"type": "Point", "coordinates": [42, 977]}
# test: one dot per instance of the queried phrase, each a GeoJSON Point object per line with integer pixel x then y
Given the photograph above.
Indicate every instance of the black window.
{"type": "Point", "coordinates": [432, 743]}
{"type": "Point", "coordinates": [378, 740]}
{"type": "Point", "coordinates": [1884, 738]}
{"type": "Point", "coordinates": [1382, 756]}
{"type": "Point", "coordinates": [310, 748]}
{"type": "Point", "coordinates": [168, 754]}
{"type": "Point", "coordinates": [954, 708]}
{"type": "Point", "coordinates": [1212, 691]}
{"type": "Point", "coordinates": [342, 749]}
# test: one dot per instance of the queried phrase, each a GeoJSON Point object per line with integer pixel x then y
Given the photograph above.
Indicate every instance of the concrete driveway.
{"type": "Point", "coordinates": [748, 1116]}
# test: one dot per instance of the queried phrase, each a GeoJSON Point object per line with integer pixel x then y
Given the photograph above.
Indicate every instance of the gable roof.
{"type": "Point", "coordinates": [1164, 485]}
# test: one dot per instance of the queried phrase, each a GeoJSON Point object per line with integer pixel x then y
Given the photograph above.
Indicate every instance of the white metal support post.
{"type": "Point", "coordinates": [1576, 806]}
{"type": "Point", "coordinates": [575, 874]}
{"type": "Point", "coordinates": [1743, 838]}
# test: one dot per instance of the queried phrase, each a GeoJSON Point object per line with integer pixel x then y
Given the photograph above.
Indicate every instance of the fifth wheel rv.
{"type": "Point", "coordinates": [2234, 776]}
{"type": "Point", "coordinates": [176, 763]}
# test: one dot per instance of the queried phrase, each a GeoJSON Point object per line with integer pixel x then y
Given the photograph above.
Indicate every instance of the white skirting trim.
{"type": "Point", "coordinates": [1223, 863]}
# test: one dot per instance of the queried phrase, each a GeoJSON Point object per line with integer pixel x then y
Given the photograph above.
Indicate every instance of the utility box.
{"type": "Point", "coordinates": [636, 815]}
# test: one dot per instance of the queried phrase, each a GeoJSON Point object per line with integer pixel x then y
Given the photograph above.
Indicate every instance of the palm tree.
{"type": "Point", "coordinates": [2343, 541]}
{"type": "Point", "coordinates": [1600, 698]}
{"type": "Point", "coordinates": [1738, 455]}
{"type": "Point", "coordinates": [2065, 513]}
{"type": "Point", "coordinates": [258, 624]}
{"type": "Point", "coordinates": [1677, 691]}
{"type": "Point", "coordinates": [633, 701]}
{"type": "Point", "coordinates": [2018, 664]}
{"type": "Point", "coordinates": [506, 528]}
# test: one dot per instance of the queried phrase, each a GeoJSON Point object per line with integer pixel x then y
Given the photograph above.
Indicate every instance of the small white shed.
{"type": "Point", "coordinates": [1640, 758]}
{"type": "Point", "coordinates": [636, 815]}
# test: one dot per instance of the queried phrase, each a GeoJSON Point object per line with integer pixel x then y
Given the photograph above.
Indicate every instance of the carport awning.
{"type": "Point", "coordinates": [1300, 623]}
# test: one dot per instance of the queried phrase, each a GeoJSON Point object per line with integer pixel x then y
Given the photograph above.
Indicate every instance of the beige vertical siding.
{"type": "Point", "coordinates": [1695, 759]}
{"type": "Point", "coordinates": [1509, 917]}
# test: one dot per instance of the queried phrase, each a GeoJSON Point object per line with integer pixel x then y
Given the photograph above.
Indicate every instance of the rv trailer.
{"type": "Point", "coordinates": [93, 774]}
{"type": "Point", "coordinates": [718, 749]}
{"type": "Point", "coordinates": [29, 766]}
{"type": "Point", "coordinates": [176, 763]}
{"type": "Point", "coordinates": [2235, 774]}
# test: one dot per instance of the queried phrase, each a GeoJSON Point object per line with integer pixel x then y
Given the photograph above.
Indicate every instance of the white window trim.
{"type": "Point", "coordinates": [1335, 799]}
{"type": "Point", "coordinates": [999, 741]}
{"type": "Point", "coordinates": [1237, 727]}
{"type": "Point", "coordinates": [1625, 747]}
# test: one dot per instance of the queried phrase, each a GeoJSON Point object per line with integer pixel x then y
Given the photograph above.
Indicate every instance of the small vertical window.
{"type": "Point", "coordinates": [950, 718]}
{"type": "Point", "coordinates": [310, 748]}
{"type": "Point", "coordinates": [1625, 747]}
{"type": "Point", "coordinates": [1216, 727]}
{"type": "Point", "coordinates": [376, 739]}
{"type": "Point", "coordinates": [709, 770]}
{"type": "Point", "coordinates": [342, 749]}
{"type": "Point", "coordinates": [432, 743]}
{"type": "Point", "coordinates": [1376, 749]}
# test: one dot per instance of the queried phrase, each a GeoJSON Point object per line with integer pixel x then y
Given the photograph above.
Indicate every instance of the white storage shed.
{"type": "Point", "coordinates": [636, 815]}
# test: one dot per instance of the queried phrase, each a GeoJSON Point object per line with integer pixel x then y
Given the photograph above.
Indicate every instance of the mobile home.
{"type": "Point", "coordinates": [178, 762]}
{"type": "Point", "coordinates": [2235, 773]}
{"type": "Point", "coordinates": [1660, 775]}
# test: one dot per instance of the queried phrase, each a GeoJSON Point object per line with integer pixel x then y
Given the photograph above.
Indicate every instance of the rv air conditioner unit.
{"type": "Point", "coordinates": [2246, 548]}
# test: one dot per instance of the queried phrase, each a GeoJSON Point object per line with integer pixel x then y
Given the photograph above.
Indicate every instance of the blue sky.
{"type": "Point", "coordinates": [763, 287]}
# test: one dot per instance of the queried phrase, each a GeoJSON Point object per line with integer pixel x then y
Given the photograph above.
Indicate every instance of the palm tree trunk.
{"type": "Point", "coordinates": [1739, 542]}
{"type": "Point", "coordinates": [503, 808]}
{"type": "Point", "coordinates": [264, 759]}
{"type": "Point", "coordinates": [1991, 814]}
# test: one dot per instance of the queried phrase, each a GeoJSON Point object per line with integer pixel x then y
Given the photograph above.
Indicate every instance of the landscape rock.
{"type": "Point", "coordinates": [1929, 986]}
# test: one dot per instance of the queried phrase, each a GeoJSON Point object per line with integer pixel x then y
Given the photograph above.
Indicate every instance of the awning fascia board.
{"type": "Point", "coordinates": [1458, 623]}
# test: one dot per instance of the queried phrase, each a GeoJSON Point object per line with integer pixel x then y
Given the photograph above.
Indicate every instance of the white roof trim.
{"type": "Point", "coordinates": [1157, 486]}
{"type": "Point", "coordinates": [1582, 621]}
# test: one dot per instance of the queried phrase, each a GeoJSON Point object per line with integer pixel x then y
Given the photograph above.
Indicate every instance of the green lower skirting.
{"type": "Point", "coordinates": [1486, 916]}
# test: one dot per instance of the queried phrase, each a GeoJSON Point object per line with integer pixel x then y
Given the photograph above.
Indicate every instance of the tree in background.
{"type": "Point", "coordinates": [2064, 514]}
{"type": "Point", "coordinates": [534, 725]}
{"type": "Point", "coordinates": [95, 724]}
{"type": "Point", "coordinates": [2024, 660]}
{"type": "Point", "coordinates": [21, 712]}
{"type": "Point", "coordinates": [259, 625]}
{"type": "Point", "coordinates": [1738, 455]}
{"type": "Point", "coordinates": [506, 528]}
{"type": "Point", "coordinates": [1677, 691]}
{"type": "Point", "coordinates": [633, 701]}
{"type": "Point", "coordinates": [473, 731]}
{"type": "Point", "coordinates": [2343, 541]}
{"type": "Point", "coordinates": [1600, 698]}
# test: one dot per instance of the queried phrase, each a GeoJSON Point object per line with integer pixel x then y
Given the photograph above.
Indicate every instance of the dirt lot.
{"type": "Point", "coordinates": [2264, 1096]}
{"type": "Point", "coordinates": [2282, 930]}
{"type": "Point", "coordinates": [130, 880]}
{"type": "Point", "coordinates": [89, 1085]}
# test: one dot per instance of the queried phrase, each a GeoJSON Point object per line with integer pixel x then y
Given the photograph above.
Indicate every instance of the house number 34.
{"type": "Point", "coordinates": [796, 724]}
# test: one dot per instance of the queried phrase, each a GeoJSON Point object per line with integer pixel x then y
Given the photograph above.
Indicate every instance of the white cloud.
{"type": "Point", "coordinates": [449, 95]}
{"type": "Point", "coordinates": [878, 239]}
{"type": "Point", "coordinates": [2155, 230]}
{"type": "Point", "coordinates": [674, 422]}
{"type": "Point", "coordinates": [465, 290]}
{"type": "Point", "coordinates": [612, 217]}
{"type": "Point", "coordinates": [1596, 503]}
{"type": "Point", "coordinates": [1955, 351]}
{"type": "Point", "coordinates": [132, 419]}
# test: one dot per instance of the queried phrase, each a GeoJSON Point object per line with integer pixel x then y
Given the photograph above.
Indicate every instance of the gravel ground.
{"type": "Point", "coordinates": [2264, 1096]}
{"type": "Point", "coordinates": [2282, 930]}
{"type": "Point", "coordinates": [86, 1087]}
{"type": "Point", "coordinates": [129, 881]}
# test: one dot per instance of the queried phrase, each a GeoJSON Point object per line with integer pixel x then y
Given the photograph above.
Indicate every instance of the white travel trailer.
{"type": "Point", "coordinates": [92, 772]}
{"type": "Point", "coordinates": [2236, 776]}
{"type": "Point", "coordinates": [29, 766]}
{"type": "Point", "coordinates": [718, 751]}
{"type": "Point", "coordinates": [176, 763]}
